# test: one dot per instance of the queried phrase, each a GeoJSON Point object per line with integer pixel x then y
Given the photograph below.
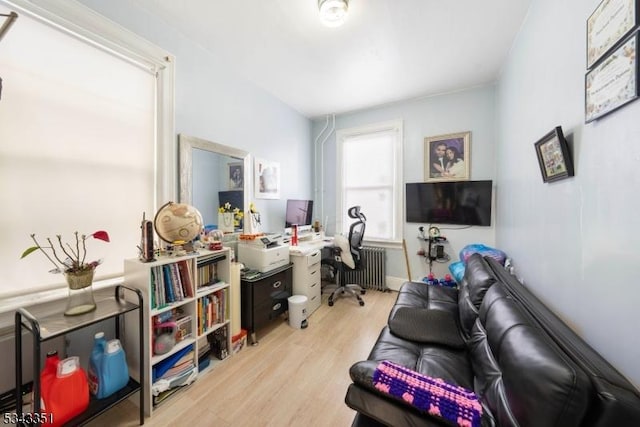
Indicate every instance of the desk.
{"type": "Point", "coordinates": [306, 247]}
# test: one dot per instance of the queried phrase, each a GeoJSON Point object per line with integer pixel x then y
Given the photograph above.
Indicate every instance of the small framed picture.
{"type": "Point", "coordinates": [447, 157]}
{"type": "Point", "coordinates": [554, 157]}
{"type": "Point", "coordinates": [266, 179]}
{"type": "Point", "coordinates": [236, 176]}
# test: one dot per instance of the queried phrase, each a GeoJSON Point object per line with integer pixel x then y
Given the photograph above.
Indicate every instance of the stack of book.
{"type": "Point", "coordinates": [175, 365]}
{"type": "Point", "coordinates": [170, 374]}
{"type": "Point", "coordinates": [212, 310]}
{"type": "Point", "coordinates": [170, 283]}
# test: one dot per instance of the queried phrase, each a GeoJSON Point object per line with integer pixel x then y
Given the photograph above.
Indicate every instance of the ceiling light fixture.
{"type": "Point", "coordinates": [333, 13]}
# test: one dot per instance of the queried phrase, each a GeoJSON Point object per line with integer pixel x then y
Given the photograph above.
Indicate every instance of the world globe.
{"type": "Point", "coordinates": [175, 222]}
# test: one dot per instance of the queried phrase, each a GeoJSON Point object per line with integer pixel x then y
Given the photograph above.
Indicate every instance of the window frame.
{"type": "Point", "coordinates": [341, 136]}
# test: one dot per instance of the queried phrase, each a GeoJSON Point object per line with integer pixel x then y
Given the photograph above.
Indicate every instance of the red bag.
{"type": "Point", "coordinates": [64, 390]}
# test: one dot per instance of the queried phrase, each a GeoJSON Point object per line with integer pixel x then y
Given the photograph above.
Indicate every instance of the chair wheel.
{"type": "Point", "coordinates": [361, 303]}
{"type": "Point", "coordinates": [330, 303]}
{"type": "Point", "coordinates": [362, 292]}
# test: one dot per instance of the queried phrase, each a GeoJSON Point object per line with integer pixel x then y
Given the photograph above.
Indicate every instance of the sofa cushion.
{"type": "Point", "coordinates": [450, 364]}
{"type": "Point", "coordinates": [421, 295]}
{"type": "Point", "coordinates": [521, 374]}
{"type": "Point", "coordinates": [426, 326]}
{"type": "Point", "coordinates": [478, 278]}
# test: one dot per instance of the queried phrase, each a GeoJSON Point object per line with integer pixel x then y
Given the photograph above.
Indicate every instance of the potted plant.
{"type": "Point", "coordinates": [71, 261]}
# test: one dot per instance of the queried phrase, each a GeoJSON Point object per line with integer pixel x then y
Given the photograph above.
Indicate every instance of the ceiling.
{"type": "Point", "coordinates": [387, 51]}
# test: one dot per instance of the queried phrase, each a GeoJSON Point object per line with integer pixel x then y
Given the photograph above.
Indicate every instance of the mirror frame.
{"type": "Point", "coordinates": [186, 146]}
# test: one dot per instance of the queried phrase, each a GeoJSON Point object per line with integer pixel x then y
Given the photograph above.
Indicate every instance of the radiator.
{"type": "Point", "coordinates": [373, 272]}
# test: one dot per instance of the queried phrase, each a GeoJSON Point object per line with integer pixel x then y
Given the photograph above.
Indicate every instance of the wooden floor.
{"type": "Point", "coordinates": [293, 377]}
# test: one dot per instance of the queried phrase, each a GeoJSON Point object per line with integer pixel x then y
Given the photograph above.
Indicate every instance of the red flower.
{"type": "Point", "coordinates": [102, 235]}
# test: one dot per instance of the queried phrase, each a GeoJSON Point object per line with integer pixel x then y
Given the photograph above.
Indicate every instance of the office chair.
{"type": "Point", "coordinates": [347, 255]}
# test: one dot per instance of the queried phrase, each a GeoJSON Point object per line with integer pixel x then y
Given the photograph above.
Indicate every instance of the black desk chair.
{"type": "Point", "coordinates": [347, 255]}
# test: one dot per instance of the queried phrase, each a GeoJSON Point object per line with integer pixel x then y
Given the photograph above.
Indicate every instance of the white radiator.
{"type": "Point", "coordinates": [373, 272]}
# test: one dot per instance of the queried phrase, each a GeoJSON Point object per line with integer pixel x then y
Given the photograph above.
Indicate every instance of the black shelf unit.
{"type": "Point", "coordinates": [50, 326]}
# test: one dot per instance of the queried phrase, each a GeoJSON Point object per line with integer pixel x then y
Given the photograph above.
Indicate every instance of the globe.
{"type": "Point", "coordinates": [178, 222]}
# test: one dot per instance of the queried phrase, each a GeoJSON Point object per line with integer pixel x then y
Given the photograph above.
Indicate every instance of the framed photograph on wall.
{"type": "Point", "coordinates": [554, 157]}
{"type": "Point", "coordinates": [613, 82]}
{"type": "Point", "coordinates": [447, 157]}
{"type": "Point", "coordinates": [236, 176]}
{"type": "Point", "coordinates": [266, 179]}
{"type": "Point", "coordinates": [612, 21]}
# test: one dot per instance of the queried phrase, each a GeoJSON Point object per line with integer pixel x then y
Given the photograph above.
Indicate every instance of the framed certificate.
{"type": "Point", "coordinates": [609, 23]}
{"type": "Point", "coordinates": [613, 82]}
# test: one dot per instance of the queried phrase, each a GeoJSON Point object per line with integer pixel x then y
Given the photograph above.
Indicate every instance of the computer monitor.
{"type": "Point", "coordinates": [298, 212]}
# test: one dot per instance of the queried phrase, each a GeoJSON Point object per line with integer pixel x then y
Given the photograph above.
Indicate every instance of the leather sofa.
{"type": "Point", "coordinates": [526, 366]}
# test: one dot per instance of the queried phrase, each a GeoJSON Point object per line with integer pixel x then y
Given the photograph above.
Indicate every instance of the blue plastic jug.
{"type": "Point", "coordinates": [108, 371]}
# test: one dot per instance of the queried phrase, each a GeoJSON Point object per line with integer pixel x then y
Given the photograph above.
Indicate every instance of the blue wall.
{"type": "Point", "coordinates": [574, 242]}
{"type": "Point", "coordinates": [469, 110]}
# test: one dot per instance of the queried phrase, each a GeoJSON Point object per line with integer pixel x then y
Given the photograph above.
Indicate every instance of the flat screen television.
{"type": "Point", "coordinates": [450, 202]}
{"type": "Point", "coordinates": [299, 212]}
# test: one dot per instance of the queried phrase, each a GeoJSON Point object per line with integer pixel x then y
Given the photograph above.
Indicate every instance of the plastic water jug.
{"type": "Point", "coordinates": [108, 371]}
{"type": "Point", "coordinates": [64, 389]}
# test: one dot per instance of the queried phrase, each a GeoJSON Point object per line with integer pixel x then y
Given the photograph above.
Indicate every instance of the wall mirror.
{"type": "Point", "coordinates": [212, 174]}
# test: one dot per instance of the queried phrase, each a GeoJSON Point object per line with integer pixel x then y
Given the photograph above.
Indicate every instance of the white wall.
{"type": "Point", "coordinates": [574, 242]}
{"type": "Point", "coordinates": [467, 110]}
{"type": "Point", "coordinates": [213, 102]}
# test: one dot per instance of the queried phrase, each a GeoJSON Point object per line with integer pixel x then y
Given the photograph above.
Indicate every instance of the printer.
{"type": "Point", "coordinates": [264, 253]}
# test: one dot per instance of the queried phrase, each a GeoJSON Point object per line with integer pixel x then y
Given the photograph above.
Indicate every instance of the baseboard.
{"type": "Point", "coordinates": [394, 283]}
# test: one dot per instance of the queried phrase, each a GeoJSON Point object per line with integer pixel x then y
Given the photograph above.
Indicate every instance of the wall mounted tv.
{"type": "Point", "coordinates": [451, 202]}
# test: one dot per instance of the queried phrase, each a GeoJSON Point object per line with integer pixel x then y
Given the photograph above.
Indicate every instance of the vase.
{"type": "Point", "coordinates": [80, 285]}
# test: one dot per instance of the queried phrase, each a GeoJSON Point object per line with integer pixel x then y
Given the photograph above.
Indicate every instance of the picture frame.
{"type": "Point", "coordinates": [447, 157]}
{"type": "Point", "coordinates": [266, 181]}
{"type": "Point", "coordinates": [609, 23]}
{"type": "Point", "coordinates": [613, 82]}
{"type": "Point", "coordinates": [236, 176]}
{"type": "Point", "coordinates": [554, 157]}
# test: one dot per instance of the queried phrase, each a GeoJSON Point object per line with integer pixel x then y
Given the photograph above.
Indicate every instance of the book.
{"type": "Point", "coordinates": [185, 275]}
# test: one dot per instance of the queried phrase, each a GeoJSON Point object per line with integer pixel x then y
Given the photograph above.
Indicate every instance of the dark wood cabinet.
{"type": "Point", "coordinates": [264, 299]}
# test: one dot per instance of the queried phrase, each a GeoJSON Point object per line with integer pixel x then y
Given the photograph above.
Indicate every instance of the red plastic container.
{"type": "Point", "coordinates": [64, 389]}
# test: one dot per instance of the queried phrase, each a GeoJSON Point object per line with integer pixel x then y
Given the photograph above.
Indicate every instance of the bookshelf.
{"type": "Point", "coordinates": [186, 319]}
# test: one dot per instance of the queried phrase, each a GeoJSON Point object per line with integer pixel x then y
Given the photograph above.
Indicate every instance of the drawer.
{"type": "Point", "coordinates": [315, 287]}
{"type": "Point", "coordinates": [313, 303]}
{"type": "Point", "coordinates": [269, 310]}
{"type": "Point", "coordinates": [314, 258]}
{"type": "Point", "coordinates": [312, 274]}
{"type": "Point", "coordinates": [265, 289]}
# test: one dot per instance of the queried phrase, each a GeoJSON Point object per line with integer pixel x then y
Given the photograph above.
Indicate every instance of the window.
{"type": "Point", "coordinates": [85, 126]}
{"type": "Point", "coordinates": [370, 175]}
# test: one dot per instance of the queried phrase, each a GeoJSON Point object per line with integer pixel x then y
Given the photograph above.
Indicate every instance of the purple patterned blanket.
{"type": "Point", "coordinates": [452, 403]}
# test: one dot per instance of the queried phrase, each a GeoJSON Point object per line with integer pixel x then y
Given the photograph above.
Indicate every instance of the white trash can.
{"type": "Point", "coordinates": [297, 311]}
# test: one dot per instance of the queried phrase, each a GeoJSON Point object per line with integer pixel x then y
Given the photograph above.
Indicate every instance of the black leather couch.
{"type": "Point", "coordinates": [527, 366]}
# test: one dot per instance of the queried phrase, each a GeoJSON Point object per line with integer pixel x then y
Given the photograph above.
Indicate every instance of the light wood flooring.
{"type": "Point", "coordinates": [293, 377]}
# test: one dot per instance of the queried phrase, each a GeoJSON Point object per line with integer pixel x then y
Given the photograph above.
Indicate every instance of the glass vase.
{"type": "Point", "coordinates": [80, 285]}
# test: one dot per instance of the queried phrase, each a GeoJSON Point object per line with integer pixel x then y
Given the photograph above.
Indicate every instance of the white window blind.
{"type": "Point", "coordinates": [77, 151]}
{"type": "Point", "coordinates": [370, 162]}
